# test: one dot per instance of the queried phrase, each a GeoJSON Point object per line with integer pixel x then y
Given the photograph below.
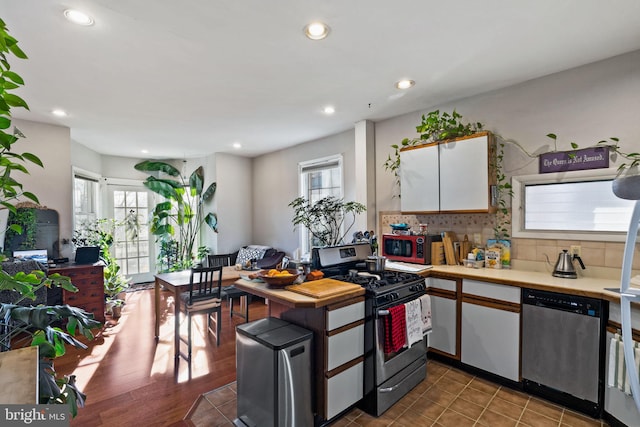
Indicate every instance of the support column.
{"type": "Point", "coordinates": [365, 174]}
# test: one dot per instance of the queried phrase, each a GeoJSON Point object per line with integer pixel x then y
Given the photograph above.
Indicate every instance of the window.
{"type": "Point", "coordinates": [85, 199]}
{"type": "Point", "coordinates": [570, 205]}
{"type": "Point", "coordinates": [319, 178]}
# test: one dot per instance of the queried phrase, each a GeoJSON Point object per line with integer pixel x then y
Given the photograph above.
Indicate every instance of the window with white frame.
{"type": "Point", "coordinates": [576, 205]}
{"type": "Point", "coordinates": [319, 178]}
{"type": "Point", "coordinates": [85, 199]}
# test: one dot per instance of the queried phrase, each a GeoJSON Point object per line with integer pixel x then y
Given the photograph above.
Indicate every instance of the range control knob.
{"type": "Point", "coordinates": [417, 287]}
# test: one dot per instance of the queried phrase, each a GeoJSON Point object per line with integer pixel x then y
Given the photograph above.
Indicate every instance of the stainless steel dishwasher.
{"type": "Point", "coordinates": [563, 339]}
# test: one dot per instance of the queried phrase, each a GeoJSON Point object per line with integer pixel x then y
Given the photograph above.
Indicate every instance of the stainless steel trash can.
{"type": "Point", "coordinates": [273, 369]}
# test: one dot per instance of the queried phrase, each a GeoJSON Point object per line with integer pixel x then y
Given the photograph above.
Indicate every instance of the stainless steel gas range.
{"type": "Point", "coordinates": [387, 376]}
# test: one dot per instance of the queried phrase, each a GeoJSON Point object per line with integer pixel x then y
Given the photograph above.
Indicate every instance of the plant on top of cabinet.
{"type": "Point", "coordinates": [324, 219]}
{"type": "Point", "coordinates": [434, 126]}
{"type": "Point", "coordinates": [182, 212]}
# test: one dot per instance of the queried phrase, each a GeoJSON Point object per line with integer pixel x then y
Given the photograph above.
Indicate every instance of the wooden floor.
{"type": "Point", "coordinates": [129, 378]}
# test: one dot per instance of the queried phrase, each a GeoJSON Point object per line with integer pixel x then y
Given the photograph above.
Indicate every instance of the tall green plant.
{"type": "Point", "coordinates": [33, 323]}
{"type": "Point", "coordinates": [10, 189]}
{"type": "Point", "coordinates": [179, 217]}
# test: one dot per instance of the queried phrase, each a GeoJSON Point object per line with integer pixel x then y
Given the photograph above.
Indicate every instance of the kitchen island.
{"type": "Point", "coordinates": [337, 322]}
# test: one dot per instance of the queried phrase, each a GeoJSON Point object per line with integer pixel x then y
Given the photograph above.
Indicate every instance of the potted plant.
{"type": "Point", "coordinates": [182, 211]}
{"type": "Point", "coordinates": [39, 324]}
{"type": "Point", "coordinates": [325, 218]}
{"type": "Point", "coordinates": [100, 233]}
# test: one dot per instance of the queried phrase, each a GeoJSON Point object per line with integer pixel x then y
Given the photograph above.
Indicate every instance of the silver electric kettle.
{"type": "Point", "coordinates": [564, 266]}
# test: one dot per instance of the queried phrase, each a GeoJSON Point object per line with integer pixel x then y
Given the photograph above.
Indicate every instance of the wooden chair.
{"type": "Point", "coordinates": [231, 291]}
{"type": "Point", "coordinates": [204, 296]}
{"type": "Point", "coordinates": [219, 260]}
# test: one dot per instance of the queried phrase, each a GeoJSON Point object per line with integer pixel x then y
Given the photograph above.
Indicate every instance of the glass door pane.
{"type": "Point", "coordinates": [132, 248]}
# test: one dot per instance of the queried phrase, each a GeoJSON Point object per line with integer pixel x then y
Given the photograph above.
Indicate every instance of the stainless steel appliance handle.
{"type": "Point", "coordinates": [383, 312]}
{"type": "Point", "coordinates": [390, 389]}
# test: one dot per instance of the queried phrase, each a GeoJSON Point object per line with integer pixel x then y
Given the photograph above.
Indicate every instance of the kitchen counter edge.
{"type": "Point", "coordinates": [293, 299]}
{"type": "Point", "coordinates": [583, 286]}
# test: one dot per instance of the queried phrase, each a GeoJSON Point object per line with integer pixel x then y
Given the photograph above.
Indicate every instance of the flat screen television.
{"type": "Point", "coordinates": [39, 255]}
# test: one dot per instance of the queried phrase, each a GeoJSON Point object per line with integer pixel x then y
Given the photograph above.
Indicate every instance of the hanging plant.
{"type": "Point", "coordinates": [504, 192]}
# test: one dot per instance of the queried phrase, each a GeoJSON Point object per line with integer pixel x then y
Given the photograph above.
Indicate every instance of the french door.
{"type": "Point", "coordinates": [133, 246]}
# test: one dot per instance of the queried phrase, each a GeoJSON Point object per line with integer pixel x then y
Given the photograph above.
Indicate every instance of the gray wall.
{"type": "Point", "coordinates": [276, 184]}
{"type": "Point", "coordinates": [53, 183]}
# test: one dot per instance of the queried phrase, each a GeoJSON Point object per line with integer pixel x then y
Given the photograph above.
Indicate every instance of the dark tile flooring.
{"type": "Point", "coordinates": [448, 397]}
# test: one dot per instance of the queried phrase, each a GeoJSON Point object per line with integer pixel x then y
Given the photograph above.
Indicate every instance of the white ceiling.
{"type": "Point", "coordinates": [191, 77]}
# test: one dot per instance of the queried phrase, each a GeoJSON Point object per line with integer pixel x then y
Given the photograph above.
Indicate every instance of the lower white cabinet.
{"type": "Point", "coordinates": [344, 389]}
{"type": "Point", "coordinates": [490, 328]}
{"type": "Point", "coordinates": [444, 323]}
{"type": "Point", "coordinates": [444, 315]}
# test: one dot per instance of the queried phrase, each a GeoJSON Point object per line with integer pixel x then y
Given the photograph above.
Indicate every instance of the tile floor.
{"type": "Point", "coordinates": [448, 398]}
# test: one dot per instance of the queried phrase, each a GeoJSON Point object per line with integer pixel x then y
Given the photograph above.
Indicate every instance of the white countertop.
{"type": "Point", "coordinates": [585, 286]}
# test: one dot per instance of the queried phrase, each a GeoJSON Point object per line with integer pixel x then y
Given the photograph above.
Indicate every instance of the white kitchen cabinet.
{"type": "Point", "coordinates": [490, 328]}
{"type": "Point", "coordinates": [344, 389]}
{"type": "Point", "coordinates": [444, 316]}
{"type": "Point", "coordinates": [420, 179]}
{"type": "Point", "coordinates": [448, 176]}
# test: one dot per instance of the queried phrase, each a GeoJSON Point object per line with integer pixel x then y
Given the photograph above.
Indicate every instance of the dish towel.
{"type": "Point", "coordinates": [413, 315]}
{"type": "Point", "coordinates": [617, 375]}
{"type": "Point", "coordinates": [425, 308]}
{"type": "Point", "coordinates": [395, 330]}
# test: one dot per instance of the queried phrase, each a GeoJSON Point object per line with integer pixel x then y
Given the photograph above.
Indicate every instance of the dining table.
{"type": "Point", "coordinates": [177, 282]}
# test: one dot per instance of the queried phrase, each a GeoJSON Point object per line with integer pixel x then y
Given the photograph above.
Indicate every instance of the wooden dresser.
{"type": "Point", "coordinates": [89, 279]}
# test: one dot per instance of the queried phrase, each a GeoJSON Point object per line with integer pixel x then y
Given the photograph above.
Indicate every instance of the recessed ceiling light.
{"type": "Point", "coordinates": [59, 113]}
{"type": "Point", "coordinates": [144, 151]}
{"type": "Point", "coordinates": [78, 17]}
{"type": "Point", "coordinates": [329, 109]}
{"type": "Point", "coordinates": [316, 30]}
{"type": "Point", "coordinates": [405, 84]}
{"type": "Point", "coordinates": [237, 145]}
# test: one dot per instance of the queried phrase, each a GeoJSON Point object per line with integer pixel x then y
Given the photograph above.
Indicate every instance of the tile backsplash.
{"type": "Point", "coordinates": [604, 258]}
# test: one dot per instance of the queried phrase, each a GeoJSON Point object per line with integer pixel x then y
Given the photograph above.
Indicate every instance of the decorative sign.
{"type": "Point", "coordinates": [563, 161]}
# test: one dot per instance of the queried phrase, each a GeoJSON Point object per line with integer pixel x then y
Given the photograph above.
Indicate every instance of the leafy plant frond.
{"type": "Point", "coordinates": [325, 218]}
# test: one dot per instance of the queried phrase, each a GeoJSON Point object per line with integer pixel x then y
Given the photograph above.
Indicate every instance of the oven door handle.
{"type": "Point", "coordinates": [383, 312]}
{"type": "Point", "coordinates": [390, 389]}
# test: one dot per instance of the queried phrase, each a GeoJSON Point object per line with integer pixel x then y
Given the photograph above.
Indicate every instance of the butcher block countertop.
{"type": "Point", "coordinates": [584, 286]}
{"type": "Point", "coordinates": [329, 292]}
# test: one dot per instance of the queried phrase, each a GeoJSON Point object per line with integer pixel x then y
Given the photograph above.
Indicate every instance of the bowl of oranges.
{"type": "Point", "coordinates": [278, 278]}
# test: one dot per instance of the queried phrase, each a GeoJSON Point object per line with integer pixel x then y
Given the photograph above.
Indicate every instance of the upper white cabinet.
{"type": "Point", "coordinates": [448, 176]}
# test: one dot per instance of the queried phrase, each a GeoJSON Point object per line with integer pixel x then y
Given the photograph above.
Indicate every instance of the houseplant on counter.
{"type": "Point", "coordinates": [34, 324]}
{"type": "Point", "coordinates": [182, 211]}
{"type": "Point", "coordinates": [325, 218]}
